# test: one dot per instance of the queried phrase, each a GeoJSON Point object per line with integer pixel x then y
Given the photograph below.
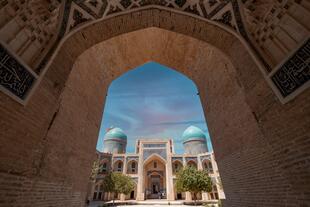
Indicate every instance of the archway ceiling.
{"type": "Point", "coordinates": [232, 15]}
{"type": "Point", "coordinates": [78, 13]}
{"type": "Point", "coordinates": [73, 14]}
{"type": "Point", "coordinates": [224, 12]}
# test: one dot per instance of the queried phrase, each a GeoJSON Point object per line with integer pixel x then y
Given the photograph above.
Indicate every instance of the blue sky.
{"type": "Point", "coordinates": [152, 101]}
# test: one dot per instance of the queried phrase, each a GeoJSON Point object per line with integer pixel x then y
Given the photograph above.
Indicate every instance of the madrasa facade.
{"type": "Point", "coordinates": [154, 165]}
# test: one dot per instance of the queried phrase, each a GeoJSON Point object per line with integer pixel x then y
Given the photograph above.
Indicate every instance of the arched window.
{"type": "Point", "coordinates": [214, 188]}
{"type": "Point", "coordinates": [192, 164]}
{"type": "Point", "coordinates": [176, 167]}
{"type": "Point", "coordinates": [100, 193]}
{"type": "Point", "coordinates": [96, 191]}
{"type": "Point", "coordinates": [103, 168]}
{"type": "Point", "coordinates": [133, 167]}
{"type": "Point", "coordinates": [210, 167]}
{"type": "Point", "coordinates": [119, 167]}
{"type": "Point", "coordinates": [207, 165]}
{"type": "Point", "coordinates": [214, 193]}
{"type": "Point", "coordinates": [155, 164]}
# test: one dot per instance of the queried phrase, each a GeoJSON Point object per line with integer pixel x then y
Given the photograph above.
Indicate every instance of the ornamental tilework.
{"type": "Point", "coordinates": [206, 9]}
{"type": "Point", "coordinates": [294, 72]}
{"type": "Point", "coordinates": [154, 145]}
{"type": "Point", "coordinates": [148, 152]}
{"type": "Point", "coordinates": [14, 77]}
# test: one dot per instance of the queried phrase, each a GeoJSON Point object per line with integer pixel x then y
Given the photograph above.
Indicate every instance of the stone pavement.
{"type": "Point", "coordinates": [160, 205]}
{"type": "Point", "coordinates": [153, 203]}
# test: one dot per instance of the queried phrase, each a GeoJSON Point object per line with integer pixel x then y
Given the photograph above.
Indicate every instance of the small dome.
{"type": "Point", "coordinates": [115, 133]}
{"type": "Point", "coordinates": [193, 132]}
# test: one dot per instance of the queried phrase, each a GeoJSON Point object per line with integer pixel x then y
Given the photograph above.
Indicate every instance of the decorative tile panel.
{"type": "Point", "coordinates": [295, 72]}
{"type": "Point", "coordinates": [207, 9]}
{"type": "Point", "coordinates": [148, 152]}
{"type": "Point", "coordinates": [154, 145]}
{"type": "Point", "coordinates": [77, 17]}
{"type": "Point", "coordinates": [14, 77]}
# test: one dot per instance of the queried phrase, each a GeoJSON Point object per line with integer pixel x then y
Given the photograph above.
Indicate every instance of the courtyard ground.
{"type": "Point", "coordinates": [153, 203]}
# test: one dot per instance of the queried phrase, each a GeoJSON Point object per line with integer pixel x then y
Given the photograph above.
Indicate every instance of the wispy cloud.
{"type": "Point", "coordinates": [164, 95]}
{"type": "Point", "coordinates": [152, 101]}
{"type": "Point", "coordinates": [191, 122]}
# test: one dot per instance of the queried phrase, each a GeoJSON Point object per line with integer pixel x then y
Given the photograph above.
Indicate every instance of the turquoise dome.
{"type": "Point", "coordinates": [193, 132]}
{"type": "Point", "coordinates": [115, 133]}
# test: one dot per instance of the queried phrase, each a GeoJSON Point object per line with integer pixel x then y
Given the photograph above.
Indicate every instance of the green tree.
{"type": "Point", "coordinates": [94, 170]}
{"type": "Point", "coordinates": [193, 180]}
{"type": "Point", "coordinates": [116, 182]}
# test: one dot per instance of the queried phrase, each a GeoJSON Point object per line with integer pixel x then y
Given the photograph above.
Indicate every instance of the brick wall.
{"type": "Point", "coordinates": [18, 190]}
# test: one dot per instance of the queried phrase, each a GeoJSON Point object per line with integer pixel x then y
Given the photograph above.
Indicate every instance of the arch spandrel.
{"type": "Point", "coordinates": [152, 157]}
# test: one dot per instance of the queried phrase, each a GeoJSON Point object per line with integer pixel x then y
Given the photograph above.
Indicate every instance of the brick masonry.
{"type": "Point", "coordinates": [262, 147]}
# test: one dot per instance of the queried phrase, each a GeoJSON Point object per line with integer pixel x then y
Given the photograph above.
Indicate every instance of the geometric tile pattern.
{"type": "Point", "coordinates": [100, 9]}
{"type": "Point", "coordinates": [295, 72]}
{"type": "Point", "coordinates": [14, 77]}
{"type": "Point", "coordinates": [148, 152]}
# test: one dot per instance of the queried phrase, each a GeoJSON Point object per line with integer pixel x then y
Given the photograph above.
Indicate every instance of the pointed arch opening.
{"type": "Point", "coordinates": [155, 180]}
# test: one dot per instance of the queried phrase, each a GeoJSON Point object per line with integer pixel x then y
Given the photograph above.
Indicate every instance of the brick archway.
{"type": "Point", "coordinates": [59, 126]}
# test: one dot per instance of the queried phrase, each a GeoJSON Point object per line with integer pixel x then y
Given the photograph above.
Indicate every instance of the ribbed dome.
{"type": "Point", "coordinates": [115, 133]}
{"type": "Point", "coordinates": [193, 132]}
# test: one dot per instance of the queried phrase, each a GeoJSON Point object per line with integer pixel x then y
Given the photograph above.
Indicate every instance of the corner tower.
{"type": "Point", "coordinates": [115, 141]}
{"type": "Point", "coordinates": [194, 141]}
